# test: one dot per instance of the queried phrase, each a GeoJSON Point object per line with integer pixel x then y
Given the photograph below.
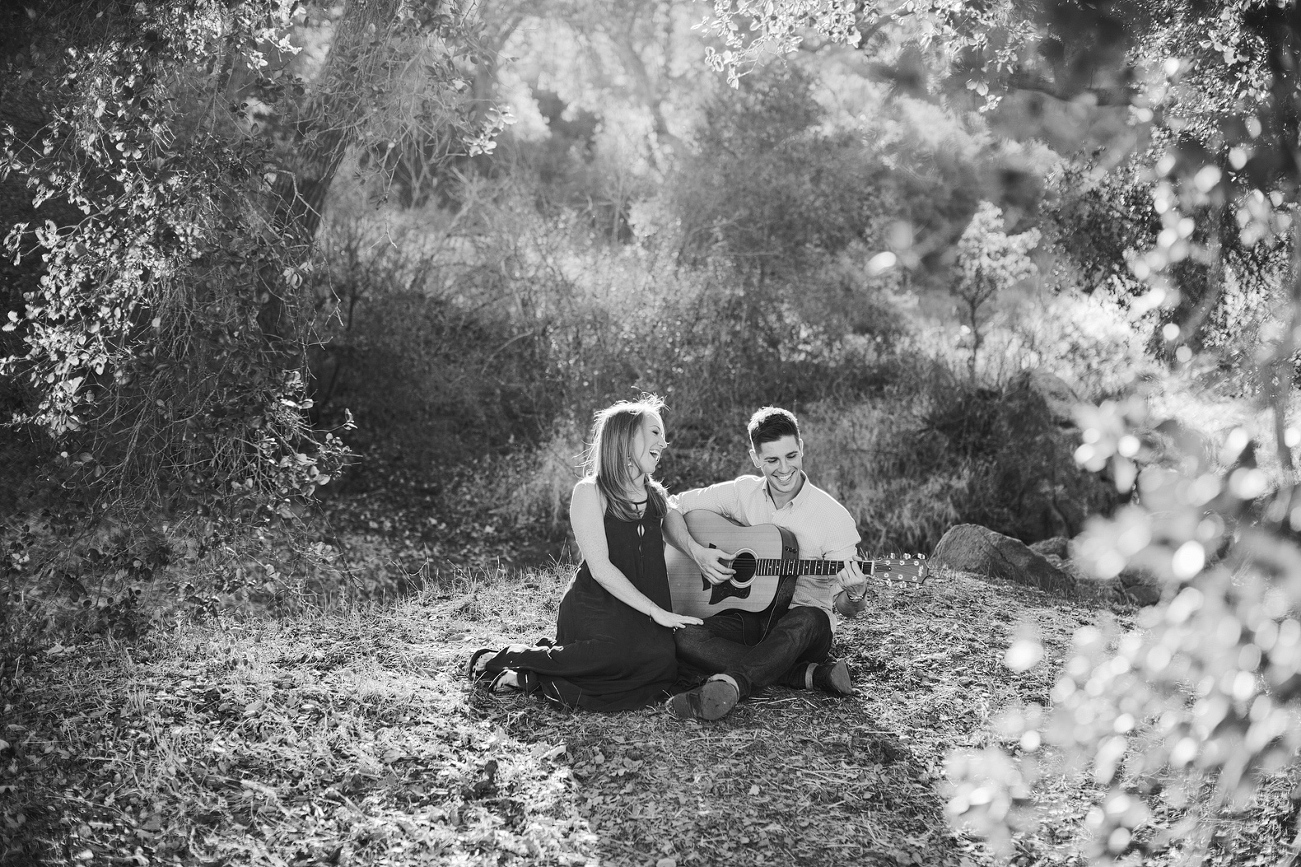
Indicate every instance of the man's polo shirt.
{"type": "Point", "coordinates": [823, 529]}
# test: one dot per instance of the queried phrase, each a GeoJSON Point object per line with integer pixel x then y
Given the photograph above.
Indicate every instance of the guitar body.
{"type": "Point", "coordinates": [766, 562]}
{"type": "Point", "coordinates": [748, 590]}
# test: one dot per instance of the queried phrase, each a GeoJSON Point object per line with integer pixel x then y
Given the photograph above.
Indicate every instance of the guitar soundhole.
{"type": "Point", "coordinates": [746, 566]}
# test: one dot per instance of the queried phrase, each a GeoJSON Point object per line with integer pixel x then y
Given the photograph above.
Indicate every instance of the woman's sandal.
{"type": "Point", "coordinates": [474, 671]}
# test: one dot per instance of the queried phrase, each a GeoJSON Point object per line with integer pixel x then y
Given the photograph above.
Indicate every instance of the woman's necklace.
{"type": "Point", "coordinates": [640, 490]}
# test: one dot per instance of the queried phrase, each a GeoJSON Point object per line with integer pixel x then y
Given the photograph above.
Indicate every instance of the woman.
{"type": "Point", "coordinates": [614, 646]}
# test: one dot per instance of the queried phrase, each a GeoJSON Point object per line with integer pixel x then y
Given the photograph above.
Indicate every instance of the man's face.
{"type": "Point", "coordinates": [781, 461]}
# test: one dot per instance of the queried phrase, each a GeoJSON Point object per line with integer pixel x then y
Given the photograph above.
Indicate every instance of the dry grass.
{"type": "Point", "coordinates": [353, 740]}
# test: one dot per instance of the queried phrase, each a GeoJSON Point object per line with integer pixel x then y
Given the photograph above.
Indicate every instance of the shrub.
{"type": "Point", "coordinates": [439, 329]}
{"type": "Point", "coordinates": [532, 487]}
{"type": "Point", "coordinates": [934, 449]}
{"type": "Point", "coordinates": [427, 381]}
{"type": "Point", "coordinates": [498, 326]}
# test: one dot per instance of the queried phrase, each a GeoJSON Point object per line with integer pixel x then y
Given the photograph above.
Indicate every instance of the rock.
{"type": "Point", "coordinates": [1068, 566]}
{"type": "Point", "coordinates": [1141, 595]}
{"type": "Point", "coordinates": [973, 548]}
{"type": "Point", "coordinates": [1132, 577]}
{"type": "Point", "coordinates": [1139, 586]}
{"type": "Point", "coordinates": [1060, 396]}
{"type": "Point", "coordinates": [1057, 546]}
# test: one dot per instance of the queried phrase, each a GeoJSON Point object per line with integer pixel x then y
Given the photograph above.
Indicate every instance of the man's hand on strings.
{"type": "Point", "coordinates": [714, 563]}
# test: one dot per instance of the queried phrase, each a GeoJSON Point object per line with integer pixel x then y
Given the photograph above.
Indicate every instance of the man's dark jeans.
{"type": "Point", "coordinates": [735, 643]}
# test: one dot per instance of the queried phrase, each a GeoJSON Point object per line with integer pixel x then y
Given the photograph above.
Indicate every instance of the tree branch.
{"type": "Point", "coordinates": [1104, 96]}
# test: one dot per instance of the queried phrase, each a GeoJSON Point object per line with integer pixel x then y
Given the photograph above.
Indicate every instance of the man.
{"type": "Point", "coordinates": [745, 651]}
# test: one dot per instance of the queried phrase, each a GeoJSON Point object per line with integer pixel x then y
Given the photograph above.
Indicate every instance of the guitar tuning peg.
{"type": "Point", "coordinates": [892, 555]}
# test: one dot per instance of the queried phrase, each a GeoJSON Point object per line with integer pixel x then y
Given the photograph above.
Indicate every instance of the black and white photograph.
{"type": "Point", "coordinates": [650, 433]}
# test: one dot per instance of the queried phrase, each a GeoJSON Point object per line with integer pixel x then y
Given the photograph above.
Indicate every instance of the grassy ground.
{"type": "Point", "coordinates": [353, 740]}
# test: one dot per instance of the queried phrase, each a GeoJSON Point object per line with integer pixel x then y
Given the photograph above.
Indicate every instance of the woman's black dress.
{"type": "Point", "coordinates": [607, 656]}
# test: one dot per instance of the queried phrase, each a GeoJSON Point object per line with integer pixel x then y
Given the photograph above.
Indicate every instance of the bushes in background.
{"type": "Point", "coordinates": [479, 331]}
{"type": "Point", "coordinates": [498, 329]}
{"type": "Point", "coordinates": [936, 449]}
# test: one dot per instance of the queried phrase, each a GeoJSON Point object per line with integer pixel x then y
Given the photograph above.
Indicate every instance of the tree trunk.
{"type": "Point", "coordinates": [331, 124]}
{"type": "Point", "coordinates": [334, 118]}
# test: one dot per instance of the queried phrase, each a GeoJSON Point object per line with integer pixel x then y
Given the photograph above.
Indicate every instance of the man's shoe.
{"type": "Point", "coordinates": [833, 677]}
{"type": "Point", "coordinates": [709, 701]}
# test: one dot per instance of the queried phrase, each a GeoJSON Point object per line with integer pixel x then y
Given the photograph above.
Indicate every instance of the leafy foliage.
{"type": "Point", "coordinates": [935, 450]}
{"type": "Point", "coordinates": [163, 173]}
{"type": "Point", "coordinates": [1096, 219]}
{"type": "Point", "coordinates": [772, 25]}
{"type": "Point", "coordinates": [145, 332]}
{"type": "Point", "coordinates": [1227, 629]}
{"type": "Point", "coordinates": [1204, 690]}
{"type": "Point", "coordinates": [767, 190]}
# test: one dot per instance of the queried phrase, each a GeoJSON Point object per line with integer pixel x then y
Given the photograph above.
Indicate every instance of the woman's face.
{"type": "Point", "coordinates": [648, 444]}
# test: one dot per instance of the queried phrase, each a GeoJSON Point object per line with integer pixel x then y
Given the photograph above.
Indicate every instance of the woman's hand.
{"type": "Point", "coordinates": [671, 620]}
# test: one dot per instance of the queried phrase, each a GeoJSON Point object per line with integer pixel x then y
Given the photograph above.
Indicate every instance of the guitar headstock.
{"type": "Point", "coordinates": [908, 571]}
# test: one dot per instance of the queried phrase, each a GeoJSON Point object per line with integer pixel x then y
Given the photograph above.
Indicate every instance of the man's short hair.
{"type": "Point", "coordinates": [771, 424]}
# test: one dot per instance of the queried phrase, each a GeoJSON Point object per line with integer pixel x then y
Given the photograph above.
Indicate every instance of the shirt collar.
{"type": "Point", "coordinates": [796, 500]}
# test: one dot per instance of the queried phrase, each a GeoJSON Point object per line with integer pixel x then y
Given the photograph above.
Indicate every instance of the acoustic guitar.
{"type": "Point", "coordinates": [766, 560]}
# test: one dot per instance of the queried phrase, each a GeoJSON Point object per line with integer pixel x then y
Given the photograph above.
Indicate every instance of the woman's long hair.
{"type": "Point", "coordinates": [606, 459]}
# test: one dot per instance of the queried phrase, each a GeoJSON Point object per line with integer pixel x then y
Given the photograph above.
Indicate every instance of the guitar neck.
{"type": "Point", "coordinates": [771, 567]}
{"type": "Point", "coordinates": [802, 567]}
